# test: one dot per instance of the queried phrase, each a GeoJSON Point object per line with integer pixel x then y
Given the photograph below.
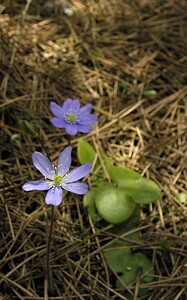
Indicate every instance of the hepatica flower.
{"type": "Point", "coordinates": [72, 117]}
{"type": "Point", "coordinates": [58, 178]}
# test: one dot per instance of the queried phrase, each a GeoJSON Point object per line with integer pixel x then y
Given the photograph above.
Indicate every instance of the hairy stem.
{"type": "Point", "coordinates": [42, 144]}
{"type": "Point", "coordinates": [69, 140]}
{"type": "Point", "coordinates": [48, 272]}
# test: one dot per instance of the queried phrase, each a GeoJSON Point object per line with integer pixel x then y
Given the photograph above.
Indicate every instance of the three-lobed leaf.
{"type": "Point", "coordinates": [119, 175]}
{"type": "Point", "coordinates": [116, 254]}
{"type": "Point", "coordinates": [121, 260]}
{"type": "Point", "coordinates": [142, 190]}
{"type": "Point", "coordinates": [137, 265]}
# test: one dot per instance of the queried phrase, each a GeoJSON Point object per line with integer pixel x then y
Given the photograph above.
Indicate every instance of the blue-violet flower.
{"type": "Point", "coordinates": [58, 178]}
{"type": "Point", "coordinates": [73, 118]}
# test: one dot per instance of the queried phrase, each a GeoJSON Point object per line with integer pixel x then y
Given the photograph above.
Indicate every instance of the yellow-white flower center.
{"type": "Point", "coordinates": [71, 116]}
{"type": "Point", "coordinates": [57, 179]}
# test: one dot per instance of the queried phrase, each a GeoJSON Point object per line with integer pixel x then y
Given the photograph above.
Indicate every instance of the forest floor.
{"type": "Point", "coordinates": [129, 59]}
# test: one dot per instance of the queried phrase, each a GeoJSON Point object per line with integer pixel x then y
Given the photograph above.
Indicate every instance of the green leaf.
{"type": "Point", "coordinates": [2, 8]}
{"type": "Point", "coordinates": [129, 225]}
{"type": "Point", "coordinates": [86, 152]}
{"type": "Point", "coordinates": [141, 261]}
{"type": "Point", "coordinates": [142, 190]}
{"type": "Point", "coordinates": [113, 204]}
{"type": "Point", "coordinates": [117, 254]}
{"type": "Point", "coordinates": [89, 202]}
{"type": "Point", "coordinates": [138, 264]}
{"type": "Point", "coordinates": [28, 128]}
{"type": "Point", "coordinates": [121, 260]}
{"type": "Point", "coordinates": [182, 197]}
{"type": "Point", "coordinates": [141, 292]}
{"type": "Point", "coordinates": [15, 136]}
{"type": "Point", "coordinates": [119, 175]}
{"type": "Point", "coordinates": [121, 231]}
{"type": "Point", "coordinates": [166, 245]}
{"type": "Point", "coordinates": [149, 92]}
{"type": "Point", "coordinates": [134, 219]}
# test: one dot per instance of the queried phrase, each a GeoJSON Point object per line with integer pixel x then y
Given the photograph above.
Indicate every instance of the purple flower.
{"type": "Point", "coordinates": [58, 178]}
{"type": "Point", "coordinates": [73, 118]}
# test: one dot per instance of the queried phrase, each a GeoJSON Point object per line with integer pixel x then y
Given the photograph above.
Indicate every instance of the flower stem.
{"type": "Point", "coordinates": [69, 140]}
{"type": "Point", "coordinates": [48, 272]}
{"type": "Point", "coordinates": [42, 144]}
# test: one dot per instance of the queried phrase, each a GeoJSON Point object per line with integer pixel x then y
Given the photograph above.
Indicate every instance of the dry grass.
{"type": "Point", "coordinates": [93, 55]}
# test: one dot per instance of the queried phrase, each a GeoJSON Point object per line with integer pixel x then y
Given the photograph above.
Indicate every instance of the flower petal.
{"type": "Point", "coordinates": [37, 185]}
{"type": "Point", "coordinates": [67, 104]}
{"type": "Point", "coordinates": [64, 161]}
{"type": "Point", "coordinates": [71, 129]}
{"type": "Point", "coordinates": [79, 172]}
{"type": "Point", "coordinates": [87, 119]}
{"type": "Point", "coordinates": [75, 105]}
{"type": "Point", "coordinates": [60, 123]}
{"type": "Point", "coordinates": [86, 109]}
{"type": "Point", "coordinates": [56, 109]}
{"type": "Point", "coordinates": [85, 128]}
{"type": "Point", "coordinates": [54, 196]}
{"type": "Point", "coordinates": [79, 188]}
{"type": "Point", "coordinates": [43, 164]}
